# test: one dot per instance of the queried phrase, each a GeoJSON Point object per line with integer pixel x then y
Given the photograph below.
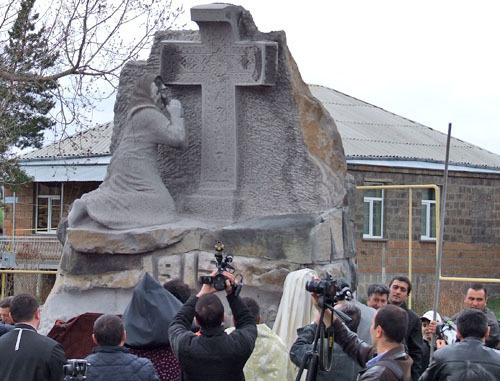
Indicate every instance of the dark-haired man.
{"type": "Point", "coordinates": [399, 290]}
{"type": "Point", "coordinates": [7, 324]}
{"type": "Point", "coordinates": [378, 294]}
{"type": "Point", "coordinates": [452, 362]}
{"type": "Point", "coordinates": [213, 355]}
{"type": "Point", "coordinates": [179, 289]}
{"type": "Point", "coordinates": [387, 359]}
{"type": "Point", "coordinates": [343, 366]}
{"type": "Point", "coordinates": [477, 297]}
{"type": "Point", "coordinates": [110, 360]}
{"type": "Point", "coordinates": [5, 310]}
{"type": "Point", "coordinates": [26, 355]}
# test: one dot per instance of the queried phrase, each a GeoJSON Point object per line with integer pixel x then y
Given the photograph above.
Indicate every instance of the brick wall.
{"type": "Point", "coordinates": [471, 245]}
{"type": "Point", "coordinates": [25, 209]}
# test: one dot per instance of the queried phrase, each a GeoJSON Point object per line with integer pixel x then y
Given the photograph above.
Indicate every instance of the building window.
{"type": "Point", "coordinates": [49, 201]}
{"type": "Point", "coordinates": [428, 219]}
{"type": "Point", "coordinates": [373, 225]}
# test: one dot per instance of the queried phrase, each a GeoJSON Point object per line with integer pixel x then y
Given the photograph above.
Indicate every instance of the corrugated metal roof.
{"type": "Point", "coordinates": [92, 142]}
{"type": "Point", "coordinates": [370, 132]}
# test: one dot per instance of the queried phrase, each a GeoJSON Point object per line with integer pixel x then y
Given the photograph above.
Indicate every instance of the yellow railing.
{"type": "Point", "coordinates": [4, 281]}
{"type": "Point", "coordinates": [410, 228]}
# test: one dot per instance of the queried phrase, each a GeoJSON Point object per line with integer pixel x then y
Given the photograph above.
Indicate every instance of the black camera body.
{"type": "Point", "coordinates": [331, 291]}
{"type": "Point", "coordinates": [76, 369]}
{"type": "Point", "coordinates": [222, 262]}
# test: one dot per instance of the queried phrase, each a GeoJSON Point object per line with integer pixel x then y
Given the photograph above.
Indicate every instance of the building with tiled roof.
{"type": "Point", "coordinates": [381, 148]}
{"type": "Point", "coordinates": [372, 135]}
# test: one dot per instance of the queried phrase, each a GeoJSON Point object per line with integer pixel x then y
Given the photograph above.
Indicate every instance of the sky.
{"type": "Point", "coordinates": [434, 62]}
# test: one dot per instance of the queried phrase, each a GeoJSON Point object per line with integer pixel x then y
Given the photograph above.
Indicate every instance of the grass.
{"type": "Point", "coordinates": [494, 305]}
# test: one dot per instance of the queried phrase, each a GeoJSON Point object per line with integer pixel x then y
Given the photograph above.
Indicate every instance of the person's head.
{"type": "Point", "coordinates": [109, 331]}
{"type": "Point", "coordinates": [426, 321]}
{"type": "Point", "coordinates": [389, 324]}
{"type": "Point", "coordinates": [24, 308]}
{"type": "Point", "coordinates": [5, 310]}
{"type": "Point", "coordinates": [146, 92]}
{"type": "Point", "coordinates": [179, 289]}
{"type": "Point", "coordinates": [472, 323]}
{"type": "Point", "coordinates": [476, 296]}
{"type": "Point", "coordinates": [253, 308]}
{"type": "Point", "coordinates": [353, 312]}
{"type": "Point", "coordinates": [209, 311]}
{"type": "Point", "coordinates": [399, 289]}
{"type": "Point", "coordinates": [378, 294]}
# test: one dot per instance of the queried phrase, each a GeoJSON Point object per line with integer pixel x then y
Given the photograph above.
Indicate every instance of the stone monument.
{"type": "Point", "coordinates": [263, 170]}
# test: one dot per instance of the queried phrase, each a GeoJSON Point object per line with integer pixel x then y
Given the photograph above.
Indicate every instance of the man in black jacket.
{"type": "Point", "coordinates": [26, 355]}
{"type": "Point", "coordinates": [386, 360]}
{"type": "Point", "coordinates": [400, 288]}
{"type": "Point", "coordinates": [343, 366]}
{"type": "Point", "coordinates": [476, 298]}
{"type": "Point", "coordinates": [213, 355]}
{"type": "Point", "coordinates": [469, 356]}
{"type": "Point", "coordinates": [110, 360]}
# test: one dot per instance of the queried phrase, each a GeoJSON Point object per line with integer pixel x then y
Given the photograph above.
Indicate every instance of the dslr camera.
{"type": "Point", "coordinates": [75, 369]}
{"type": "Point", "coordinates": [222, 262]}
{"type": "Point", "coordinates": [331, 291]}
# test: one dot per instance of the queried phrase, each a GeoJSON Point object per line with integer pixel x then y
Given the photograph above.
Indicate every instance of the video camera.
{"type": "Point", "coordinates": [76, 369]}
{"type": "Point", "coordinates": [447, 331]}
{"type": "Point", "coordinates": [331, 291]}
{"type": "Point", "coordinates": [222, 262]}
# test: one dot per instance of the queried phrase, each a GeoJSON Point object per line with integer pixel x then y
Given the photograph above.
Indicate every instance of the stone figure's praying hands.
{"type": "Point", "coordinates": [133, 194]}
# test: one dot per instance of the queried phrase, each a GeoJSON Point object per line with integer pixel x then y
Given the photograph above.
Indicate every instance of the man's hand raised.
{"type": "Point", "coordinates": [207, 288]}
{"type": "Point", "coordinates": [210, 289]}
{"type": "Point", "coordinates": [230, 282]}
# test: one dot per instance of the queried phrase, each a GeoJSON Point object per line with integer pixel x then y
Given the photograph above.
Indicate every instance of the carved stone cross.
{"type": "Point", "coordinates": [218, 64]}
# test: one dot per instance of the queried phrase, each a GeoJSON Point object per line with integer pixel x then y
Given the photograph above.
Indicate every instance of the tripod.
{"type": "Point", "coordinates": [316, 358]}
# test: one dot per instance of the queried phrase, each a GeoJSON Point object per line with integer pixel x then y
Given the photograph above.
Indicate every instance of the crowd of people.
{"type": "Point", "coordinates": [168, 334]}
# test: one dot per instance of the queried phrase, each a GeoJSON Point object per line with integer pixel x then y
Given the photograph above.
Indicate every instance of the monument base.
{"type": "Point", "coordinates": [265, 250]}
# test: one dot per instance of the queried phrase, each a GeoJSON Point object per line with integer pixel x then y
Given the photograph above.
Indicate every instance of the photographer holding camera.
{"type": "Point", "coordinates": [386, 360]}
{"type": "Point", "coordinates": [213, 355]}
{"type": "Point", "coordinates": [470, 359]}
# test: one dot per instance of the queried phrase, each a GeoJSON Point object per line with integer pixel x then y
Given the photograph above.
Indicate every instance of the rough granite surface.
{"type": "Point", "coordinates": [289, 154]}
{"type": "Point", "coordinates": [281, 203]}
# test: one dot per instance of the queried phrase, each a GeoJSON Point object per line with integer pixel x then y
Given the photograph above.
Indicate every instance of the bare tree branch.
{"type": "Point", "coordinates": [89, 40]}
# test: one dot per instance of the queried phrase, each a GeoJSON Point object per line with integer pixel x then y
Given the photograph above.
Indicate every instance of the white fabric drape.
{"type": "Point", "coordinates": [296, 309]}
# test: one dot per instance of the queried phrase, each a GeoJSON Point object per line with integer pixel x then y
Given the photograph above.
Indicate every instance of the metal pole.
{"type": "Point", "coordinates": [14, 220]}
{"type": "Point", "coordinates": [441, 231]}
{"type": "Point", "coordinates": [3, 285]}
{"type": "Point", "coordinates": [410, 228]}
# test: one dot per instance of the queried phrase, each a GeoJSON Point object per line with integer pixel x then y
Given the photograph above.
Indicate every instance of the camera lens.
{"type": "Point", "coordinates": [219, 282]}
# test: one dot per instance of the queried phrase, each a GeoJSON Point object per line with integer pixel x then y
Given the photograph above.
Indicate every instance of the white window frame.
{"type": "Point", "coordinates": [371, 200]}
{"type": "Point", "coordinates": [427, 204]}
{"type": "Point", "coordinates": [51, 200]}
